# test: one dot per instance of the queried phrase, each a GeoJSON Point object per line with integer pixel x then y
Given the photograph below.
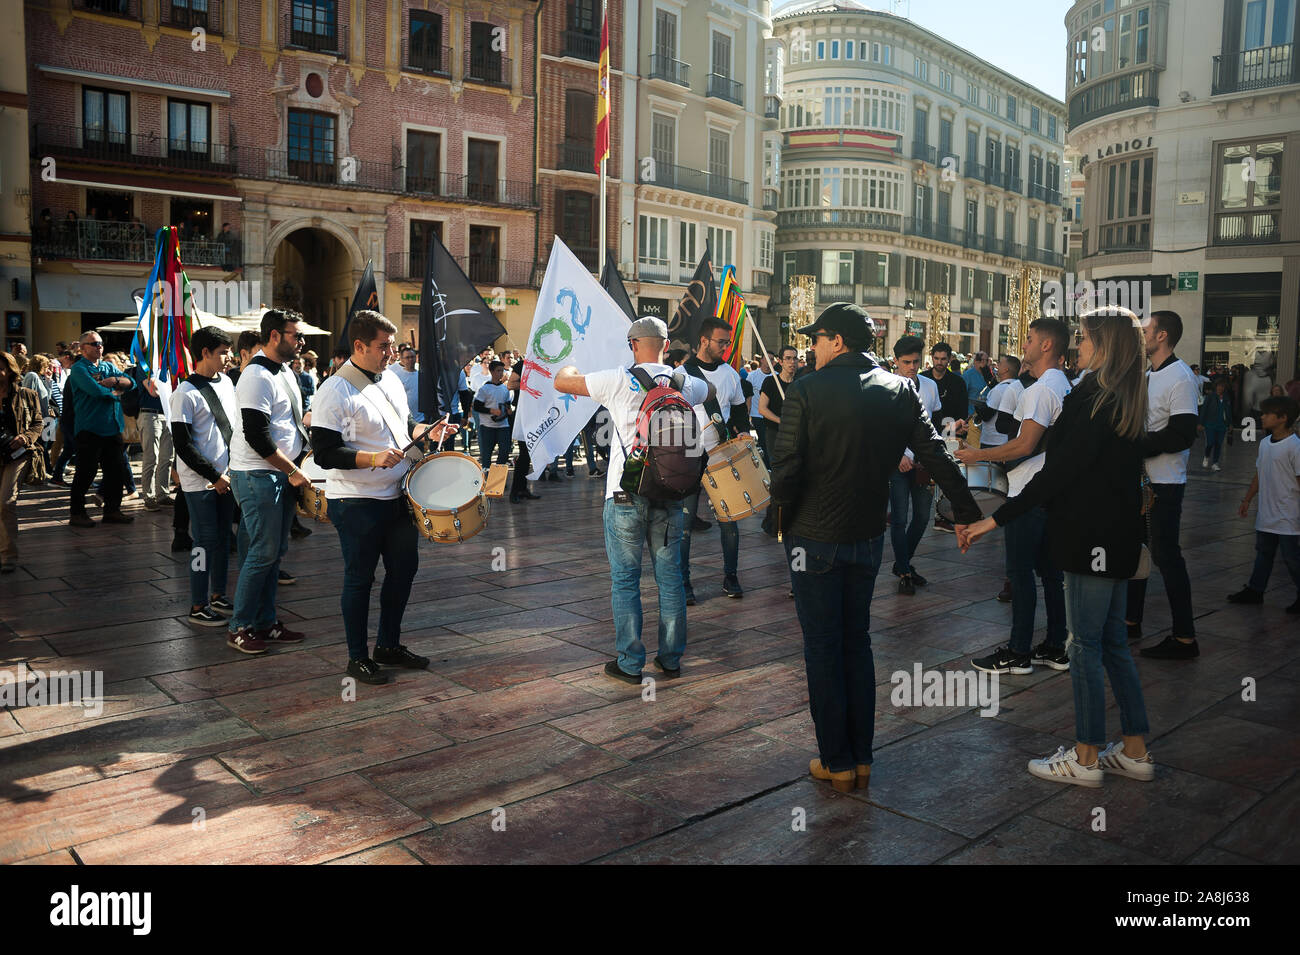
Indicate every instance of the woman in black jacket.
{"type": "Point", "coordinates": [1091, 483]}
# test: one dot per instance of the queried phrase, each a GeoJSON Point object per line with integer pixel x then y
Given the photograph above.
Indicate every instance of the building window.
{"type": "Point", "coordinates": [719, 155]}
{"type": "Point", "coordinates": [425, 52]}
{"type": "Point", "coordinates": [1011, 108]}
{"type": "Point", "coordinates": [868, 107]}
{"type": "Point", "coordinates": [789, 265]}
{"type": "Point", "coordinates": [484, 254]}
{"type": "Point", "coordinates": [420, 236]}
{"type": "Point", "coordinates": [873, 188]}
{"type": "Point", "coordinates": [1248, 206]}
{"type": "Point", "coordinates": [663, 145]}
{"type": "Point", "coordinates": [837, 268]}
{"type": "Point", "coordinates": [835, 49]}
{"type": "Point", "coordinates": [311, 145]}
{"type": "Point", "coordinates": [1035, 118]}
{"type": "Point", "coordinates": [579, 129]}
{"type": "Point", "coordinates": [991, 102]}
{"type": "Point", "coordinates": [687, 256]}
{"type": "Point", "coordinates": [187, 128]}
{"type": "Point", "coordinates": [192, 218]}
{"type": "Point", "coordinates": [1051, 128]}
{"type": "Point", "coordinates": [945, 81]}
{"type": "Point", "coordinates": [972, 93]}
{"type": "Point", "coordinates": [1125, 221]}
{"type": "Point", "coordinates": [848, 49]}
{"type": "Point", "coordinates": [314, 24]}
{"type": "Point", "coordinates": [722, 245]}
{"type": "Point", "coordinates": [765, 250]}
{"type": "Point", "coordinates": [1032, 239]}
{"type": "Point", "coordinates": [485, 62]}
{"type": "Point", "coordinates": [576, 217]}
{"type": "Point", "coordinates": [722, 54]}
{"type": "Point", "coordinates": [821, 49]}
{"type": "Point", "coordinates": [972, 216]}
{"type": "Point", "coordinates": [104, 118]}
{"type": "Point", "coordinates": [1078, 209]}
{"type": "Point", "coordinates": [665, 35]}
{"type": "Point", "coordinates": [424, 162]}
{"type": "Point", "coordinates": [945, 138]}
{"type": "Point", "coordinates": [483, 170]}
{"type": "Point", "coordinates": [652, 247]}
{"type": "Point", "coordinates": [921, 70]}
{"type": "Point", "coordinates": [888, 54]}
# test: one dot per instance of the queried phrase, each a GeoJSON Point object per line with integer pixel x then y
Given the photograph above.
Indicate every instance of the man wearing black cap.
{"type": "Point", "coordinates": [843, 431]}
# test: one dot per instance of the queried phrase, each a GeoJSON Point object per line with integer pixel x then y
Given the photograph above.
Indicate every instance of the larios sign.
{"type": "Point", "coordinates": [1128, 146]}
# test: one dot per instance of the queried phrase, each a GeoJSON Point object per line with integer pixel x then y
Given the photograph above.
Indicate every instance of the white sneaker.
{"type": "Point", "coordinates": [1205, 462]}
{"type": "Point", "coordinates": [1217, 468]}
{"type": "Point", "coordinates": [1113, 762]}
{"type": "Point", "coordinates": [1063, 766]}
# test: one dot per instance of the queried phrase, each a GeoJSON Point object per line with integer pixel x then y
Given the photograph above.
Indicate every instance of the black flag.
{"type": "Point", "coordinates": [612, 283]}
{"type": "Point", "coordinates": [367, 297]}
{"type": "Point", "coordinates": [455, 325]}
{"type": "Point", "coordinates": [699, 302]}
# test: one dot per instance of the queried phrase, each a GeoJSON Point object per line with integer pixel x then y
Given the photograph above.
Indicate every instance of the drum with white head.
{"type": "Point", "coordinates": [445, 493]}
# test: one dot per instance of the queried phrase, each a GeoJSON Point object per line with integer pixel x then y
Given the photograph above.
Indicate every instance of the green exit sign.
{"type": "Point", "coordinates": [1189, 281]}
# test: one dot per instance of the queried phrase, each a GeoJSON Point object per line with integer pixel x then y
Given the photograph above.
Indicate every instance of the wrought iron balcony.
{"type": "Point", "coordinates": [1248, 228]}
{"type": "Point", "coordinates": [188, 14]}
{"type": "Point", "coordinates": [927, 229]}
{"type": "Point", "coordinates": [100, 241]}
{"type": "Point", "coordinates": [854, 218]}
{"type": "Point", "coordinates": [589, 256]}
{"type": "Point", "coordinates": [653, 270]}
{"type": "Point", "coordinates": [875, 295]}
{"type": "Point", "coordinates": [300, 165]}
{"type": "Point", "coordinates": [772, 107]}
{"type": "Point", "coordinates": [666, 68]}
{"type": "Point", "coordinates": [762, 282]}
{"type": "Point", "coordinates": [924, 152]}
{"type": "Point", "coordinates": [834, 292]}
{"type": "Point", "coordinates": [724, 87]}
{"type": "Point", "coordinates": [580, 157]}
{"type": "Point", "coordinates": [704, 183]}
{"type": "Point", "coordinates": [309, 28]}
{"type": "Point", "coordinates": [1015, 184]}
{"type": "Point", "coordinates": [771, 200]}
{"type": "Point", "coordinates": [487, 67]}
{"type": "Point", "coordinates": [127, 9]}
{"type": "Point", "coordinates": [433, 62]}
{"type": "Point", "coordinates": [1259, 69]}
{"type": "Point", "coordinates": [1129, 91]}
{"type": "Point", "coordinates": [505, 192]}
{"type": "Point", "coordinates": [993, 175]}
{"type": "Point", "coordinates": [974, 170]}
{"type": "Point", "coordinates": [131, 149]}
{"type": "Point", "coordinates": [581, 45]}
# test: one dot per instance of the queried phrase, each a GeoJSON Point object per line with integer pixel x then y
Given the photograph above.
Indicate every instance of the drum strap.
{"type": "Point", "coordinates": [204, 387]}
{"type": "Point", "coordinates": [355, 377]}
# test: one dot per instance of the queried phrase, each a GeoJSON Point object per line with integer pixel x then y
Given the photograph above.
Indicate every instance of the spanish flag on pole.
{"type": "Point", "coordinates": [602, 96]}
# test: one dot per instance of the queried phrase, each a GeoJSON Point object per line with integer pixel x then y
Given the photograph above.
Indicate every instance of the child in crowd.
{"type": "Point", "coordinates": [1216, 419]}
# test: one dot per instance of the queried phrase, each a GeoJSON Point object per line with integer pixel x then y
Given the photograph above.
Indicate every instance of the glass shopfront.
{"type": "Point", "coordinates": [1240, 336]}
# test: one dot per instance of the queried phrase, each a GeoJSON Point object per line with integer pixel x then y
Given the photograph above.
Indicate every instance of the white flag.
{"type": "Point", "coordinates": [576, 323]}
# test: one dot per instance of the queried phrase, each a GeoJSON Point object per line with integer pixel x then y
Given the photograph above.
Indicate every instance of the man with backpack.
{"type": "Point", "coordinates": [654, 424]}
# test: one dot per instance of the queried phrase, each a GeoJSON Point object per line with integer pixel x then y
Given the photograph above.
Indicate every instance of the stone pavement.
{"type": "Point", "coordinates": [204, 755]}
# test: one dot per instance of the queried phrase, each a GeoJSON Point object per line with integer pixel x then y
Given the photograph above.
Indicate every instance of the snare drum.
{"type": "Point", "coordinates": [445, 493]}
{"type": "Point", "coordinates": [311, 498]}
{"type": "Point", "coordinates": [737, 480]}
{"type": "Point", "coordinates": [987, 482]}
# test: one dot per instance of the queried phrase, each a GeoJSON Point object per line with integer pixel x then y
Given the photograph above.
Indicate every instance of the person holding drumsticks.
{"type": "Point", "coordinates": [1091, 487]}
{"type": "Point", "coordinates": [361, 422]}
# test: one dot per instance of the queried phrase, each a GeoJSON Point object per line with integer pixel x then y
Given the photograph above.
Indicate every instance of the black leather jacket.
{"type": "Point", "coordinates": [843, 432]}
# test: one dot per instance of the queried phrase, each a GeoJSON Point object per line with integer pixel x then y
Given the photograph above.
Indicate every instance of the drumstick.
{"type": "Point", "coordinates": [415, 441]}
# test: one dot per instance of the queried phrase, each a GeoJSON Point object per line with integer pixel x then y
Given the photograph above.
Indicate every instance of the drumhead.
{"type": "Point", "coordinates": [315, 473]}
{"type": "Point", "coordinates": [445, 481]}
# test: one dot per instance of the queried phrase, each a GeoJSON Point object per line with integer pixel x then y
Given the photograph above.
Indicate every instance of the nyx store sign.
{"type": "Point", "coordinates": [1128, 146]}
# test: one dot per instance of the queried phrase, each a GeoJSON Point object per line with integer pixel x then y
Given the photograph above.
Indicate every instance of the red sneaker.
{"type": "Point", "coordinates": [279, 633]}
{"type": "Point", "coordinates": [246, 640]}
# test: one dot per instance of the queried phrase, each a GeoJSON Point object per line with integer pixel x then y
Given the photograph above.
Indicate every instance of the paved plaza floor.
{"type": "Point", "coordinates": [515, 747]}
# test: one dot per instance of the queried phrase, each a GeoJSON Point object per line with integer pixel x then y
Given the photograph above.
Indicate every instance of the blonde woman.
{"type": "Point", "coordinates": [1091, 484]}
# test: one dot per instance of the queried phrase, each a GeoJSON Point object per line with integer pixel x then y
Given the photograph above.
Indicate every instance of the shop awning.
{"type": "Point", "coordinates": [128, 182]}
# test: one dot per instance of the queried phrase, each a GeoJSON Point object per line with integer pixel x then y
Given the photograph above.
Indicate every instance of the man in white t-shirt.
{"type": "Point", "coordinates": [409, 377]}
{"type": "Point", "coordinates": [1008, 368]}
{"type": "Point", "coordinates": [266, 442]}
{"type": "Point", "coordinates": [1277, 482]}
{"type": "Point", "coordinates": [360, 424]}
{"type": "Point", "coordinates": [1172, 418]}
{"type": "Point", "coordinates": [707, 363]}
{"type": "Point", "coordinates": [492, 402]}
{"type": "Point", "coordinates": [906, 492]}
{"type": "Point", "coordinates": [204, 413]}
{"type": "Point", "coordinates": [1026, 537]}
{"type": "Point", "coordinates": [631, 520]}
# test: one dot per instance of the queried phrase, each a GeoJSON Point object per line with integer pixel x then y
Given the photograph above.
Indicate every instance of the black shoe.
{"type": "Point", "coordinates": [1134, 632]}
{"type": "Point", "coordinates": [690, 595]}
{"type": "Point", "coordinates": [1051, 656]}
{"type": "Point", "coordinates": [117, 517]}
{"type": "Point", "coordinates": [699, 525]}
{"type": "Point", "coordinates": [399, 656]}
{"type": "Point", "coordinates": [81, 520]}
{"type": "Point", "coordinates": [942, 524]}
{"type": "Point", "coordinates": [1171, 648]}
{"type": "Point", "coordinates": [906, 586]}
{"type": "Point", "coordinates": [182, 542]}
{"type": "Point", "coordinates": [670, 674]}
{"type": "Point", "coordinates": [530, 496]}
{"type": "Point", "coordinates": [8, 568]}
{"type": "Point", "coordinates": [1294, 608]}
{"type": "Point", "coordinates": [299, 531]}
{"type": "Point", "coordinates": [731, 586]}
{"type": "Point", "coordinates": [1004, 595]}
{"type": "Point", "coordinates": [918, 580]}
{"type": "Point", "coordinates": [367, 671]}
{"type": "Point", "coordinates": [1246, 595]}
{"type": "Point", "coordinates": [515, 499]}
{"type": "Point", "coordinates": [286, 578]}
{"type": "Point", "coordinates": [568, 472]}
{"type": "Point", "coordinates": [1002, 660]}
{"type": "Point", "coordinates": [598, 472]}
{"type": "Point", "coordinates": [613, 669]}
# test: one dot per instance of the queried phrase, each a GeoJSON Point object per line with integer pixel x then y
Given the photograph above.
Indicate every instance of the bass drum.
{"type": "Point", "coordinates": [445, 494]}
{"type": "Point", "coordinates": [987, 482]}
{"type": "Point", "coordinates": [736, 480]}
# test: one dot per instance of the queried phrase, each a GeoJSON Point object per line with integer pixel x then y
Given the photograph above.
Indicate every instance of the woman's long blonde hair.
{"type": "Point", "coordinates": [1118, 360]}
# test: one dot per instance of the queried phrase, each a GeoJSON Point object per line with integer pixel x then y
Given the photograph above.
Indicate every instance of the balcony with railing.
{"type": "Point", "coordinates": [853, 218]}
{"type": "Point", "coordinates": [303, 165]}
{"type": "Point", "coordinates": [1257, 69]}
{"type": "Point", "coordinates": [923, 152]}
{"type": "Point", "coordinates": [771, 200]}
{"type": "Point", "coordinates": [653, 270]}
{"type": "Point", "coordinates": [666, 68]}
{"type": "Point", "coordinates": [875, 295]}
{"type": "Point", "coordinates": [132, 149]}
{"type": "Point", "coordinates": [771, 107]}
{"type": "Point", "coordinates": [703, 183]}
{"type": "Point", "coordinates": [99, 241]}
{"type": "Point", "coordinates": [311, 28]}
{"type": "Point", "coordinates": [993, 176]}
{"type": "Point", "coordinates": [421, 59]}
{"type": "Point", "coordinates": [928, 229]}
{"type": "Point", "coordinates": [579, 157]}
{"type": "Point", "coordinates": [762, 282]}
{"type": "Point", "coordinates": [1039, 191]}
{"type": "Point", "coordinates": [487, 67]}
{"type": "Point", "coordinates": [724, 87]}
{"type": "Point", "coordinates": [1112, 95]}
{"type": "Point", "coordinates": [505, 192]}
{"type": "Point", "coordinates": [974, 170]}
{"type": "Point", "coordinates": [581, 45]}
{"type": "Point", "coordinates": [190, 14]}
{"type": "Point", "coordinates": [1248, 228]}
{"type": "Point", "coordinates": [1047, 257]}
{"type": "Point", "coordinates": [126, 9]}
{"type": "Point", "coordinates": [589, 256]}
{"type": "Point", "coordinates": [834, 292]}
{"type": "Point", "coordinates": [1014, 183]}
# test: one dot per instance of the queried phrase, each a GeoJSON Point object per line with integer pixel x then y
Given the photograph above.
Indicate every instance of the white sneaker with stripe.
{"type": "Point", "coordinates": [1063, 766]}
{"type": "Point", "coordinates": [1114, 762]}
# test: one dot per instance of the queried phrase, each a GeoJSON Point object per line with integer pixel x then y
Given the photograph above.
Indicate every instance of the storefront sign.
{"type": "Point", "coordinates": [414, 297]}
{"type": "Point", "coordinates": [1118, 149]}
{"type": "Point", "coordinates": [655, 307]}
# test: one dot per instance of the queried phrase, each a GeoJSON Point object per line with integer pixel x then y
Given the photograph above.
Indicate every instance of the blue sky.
{"type": "Point", "coordinates": [1024, 37]}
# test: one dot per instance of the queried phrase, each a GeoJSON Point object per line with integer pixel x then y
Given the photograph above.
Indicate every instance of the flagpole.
{"type": "Point", "coordinates": [770, 364]}
{"type": "Point", "coordinates": [604, 14]}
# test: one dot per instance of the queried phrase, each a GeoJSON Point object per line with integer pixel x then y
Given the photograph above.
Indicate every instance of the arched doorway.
{"type": "Point", "coordinates": [313, 275]}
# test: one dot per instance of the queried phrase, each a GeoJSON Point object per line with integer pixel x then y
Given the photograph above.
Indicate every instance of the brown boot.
{"type": "Point", "coordinates": [863, 774]}
{"type": "Point", "coordinates": [843, 782]}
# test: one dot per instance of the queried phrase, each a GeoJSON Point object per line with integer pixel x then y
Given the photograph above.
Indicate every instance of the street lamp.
{"type": "Point", "coordinates": [907, 310]}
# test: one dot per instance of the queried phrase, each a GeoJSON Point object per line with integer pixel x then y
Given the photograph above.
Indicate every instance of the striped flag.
{"type": "Point", "coordinates": [167, 319]}
{"type": "Point", "coordinates": [602, 96]}
{"type": "Point", "coordinates": [732, 310]}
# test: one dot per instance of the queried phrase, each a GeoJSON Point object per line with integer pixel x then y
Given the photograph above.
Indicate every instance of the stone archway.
{"type": "Point", "coordinates": [315, 272]}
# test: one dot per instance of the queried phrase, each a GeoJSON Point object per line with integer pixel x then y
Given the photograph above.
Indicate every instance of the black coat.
{"type": "Point", "coordinates": [1091, 482]}
{"type": "Point", "coordinates": [843, 431]}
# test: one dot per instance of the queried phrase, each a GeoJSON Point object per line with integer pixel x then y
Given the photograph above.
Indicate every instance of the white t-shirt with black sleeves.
{"type": "Point", "coordinates": [1172, 389]}
{"type": "Point", "coordinates": [494, 397]}
{"type": "Point", "coordinates": [1040, 402]}
{"type": "Point", "coordinates": [726, 382]}
{"type": "Point", "coordinates": [1278, 466]}
{"type": "Point", "coordinates": [188, 406]}
{"type": "Point", "coordinates": [340, 407]}
{"type": "Point", "coordinates": [621, 394]}
{"type": "Point", "coordinates": [990, 436]}
{"type": "Point", "coordinates": [261, 389]}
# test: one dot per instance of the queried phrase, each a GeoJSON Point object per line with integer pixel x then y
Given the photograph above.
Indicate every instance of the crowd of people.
{"type": "Point", "coordinates": [1094, 457]}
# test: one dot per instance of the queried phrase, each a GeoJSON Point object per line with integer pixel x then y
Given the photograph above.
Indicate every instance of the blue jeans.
{"type": "Point", "coordinates": [1214, 445]}
{"type": "Point", "coordinates": [266, 502]}
{"type": "Point", "coordinates": [730, 531]}
{"type": "Point", "coordinates": [370, 530]}
{"type": "Point", "coordinates": [210, 517]}
{"type": "Point", "coordinates": [1094, 611]}
{"type": "Point", "coordinates": [627, 528]}
{"type": "Point", "coordinates": [832, 595]}
{"type": "Point", "coordinates": [1026, 539]}
{"type": "Point", "coordinates": [906, 532]}
{"type": "Point", "coordinates": [488, 438]}
{"type": "Point", "coordinates": [1167, 555]}
{"type": "Point", "coordinates": [1266, 546]}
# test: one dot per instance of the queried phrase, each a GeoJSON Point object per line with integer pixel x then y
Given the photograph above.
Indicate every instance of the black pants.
{"type": "Point", "coordinates": [94, 452]}
{"type": "Point", "coordinates": [181, 514]}
{"type": "Point", "coordinates": [519, 483]}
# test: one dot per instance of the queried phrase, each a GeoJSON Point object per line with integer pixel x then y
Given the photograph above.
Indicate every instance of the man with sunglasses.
{"type": "Point", "coordinates": [268, 439]}
{"type": "Point", "coordinates": [721, 418]}
{"type": "Point", "coordinates": [95, 387]}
